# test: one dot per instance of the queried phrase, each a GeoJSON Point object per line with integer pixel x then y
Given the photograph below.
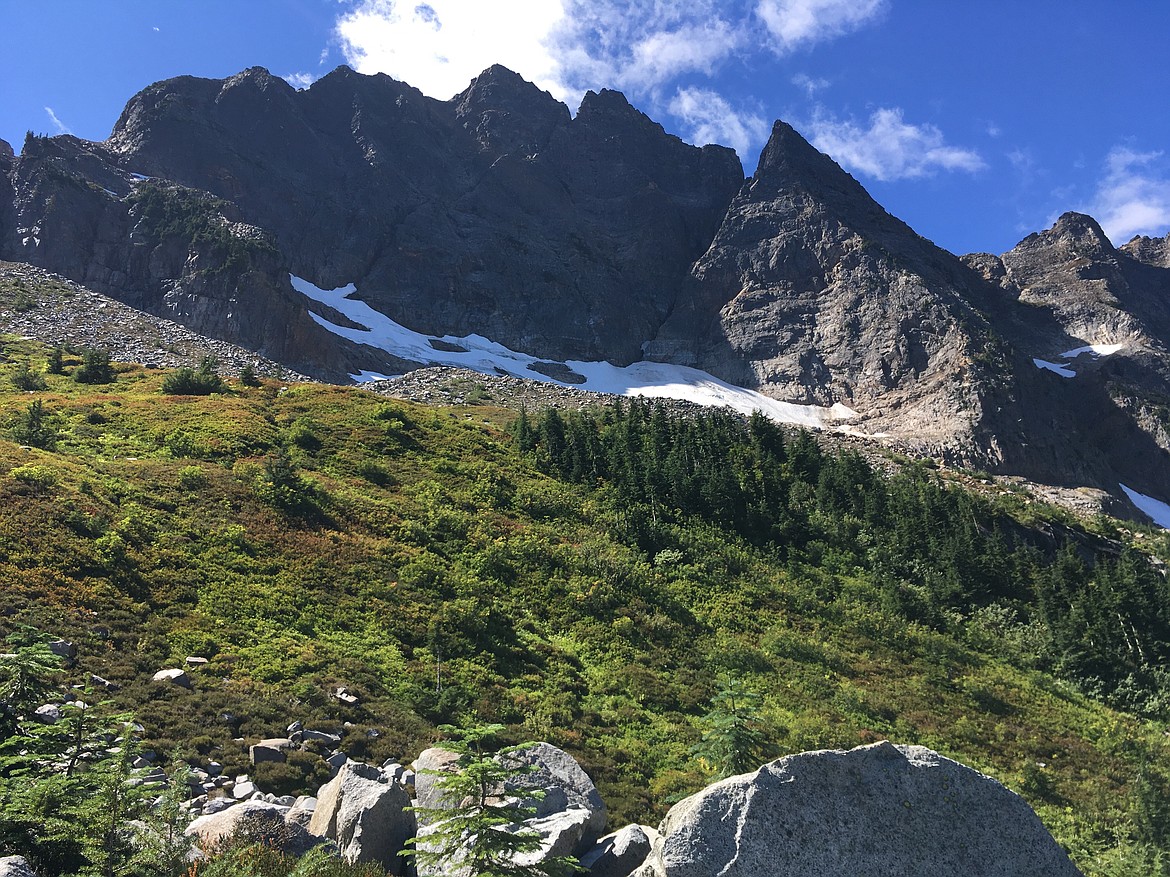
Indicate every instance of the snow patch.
{"type": "Point", "coordinates": [1061, 370]}
{"type": "Point", "coordinates": [1156, 509]}
{"type": "Point", "coordinates": [364, 377]}
{"type": "Point", "coordinates": [1095, 349]}
{"type": "Point", "coordinates": [477, 353]}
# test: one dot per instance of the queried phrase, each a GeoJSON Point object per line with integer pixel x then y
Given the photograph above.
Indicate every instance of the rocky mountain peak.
{"type": "Point", "coordinates": [1081, 233]}
{"type": "Point", "coordinates": [506, 113]}
{"type": "Point", "coordinates": [1150, 251]}
{"type": "Point", "coordinates": [6, 150]}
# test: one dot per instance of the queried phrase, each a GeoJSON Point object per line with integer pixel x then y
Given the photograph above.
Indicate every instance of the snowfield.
{"type": "Point", "coordinates": [1156, 509]}
{"type": "Point", "coordinates": [649, 379]}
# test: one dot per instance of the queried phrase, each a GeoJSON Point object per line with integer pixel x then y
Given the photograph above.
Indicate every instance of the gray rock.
{"type": "Point", "coordinates": [64, 649]}
{"type": "Point", "coordinates": [880, 809]}
{"type": "Point", "coordinates": [48, 714]}
{"type": "Point", "coordinates": [564, 833]}
{"type": "Point", "coordinates": [565, 785]}
{"type": "Point", "coordinates": [619, 854]}
{"type": "Point", "coordinates": [217, 805]}
{"type": "Point", "coordinates": [428, 765]}
{"type": "Point", "coordinates": [301, 811]}
{"type": "Point", "coordinates": [269, 750]}
{"type": "Point", "coordinates": [321, 737]}
{"type": "Point", "coordinates": [366, 816]}
{"type": "Point", "coordinates": [337, 760]}
{"type": "Point", "coordinates": [15, 866]}
{"type": "Point", "coordinates": [243, 790]}
{"type": "Point", "coordinates": [173, 676]}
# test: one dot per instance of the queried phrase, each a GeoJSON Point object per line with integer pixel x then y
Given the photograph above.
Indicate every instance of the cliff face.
{"type": "Point", "coordinates": [811, 291]}
{"type": "Point", "coordinates": [602, 237]}
{"type": "Point", "coordinates": [493, 213]}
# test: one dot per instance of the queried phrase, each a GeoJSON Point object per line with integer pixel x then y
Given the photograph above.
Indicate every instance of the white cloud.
{"type": "Point", "coordinates": [439, 46]}
{"type": "Point", "coordinates": [1134, 196]}
{"type": "Point", "coordinates": [569, 46]}
{"type": "Point", "coordinates": [709, 118]}
{"type": "Point", "coordinates": [61, 127]}
{"type": "Point", "coordinates": [890, 148]}
{"type": "Point", "coordinates": [793, 23]}
{"type": "Point", "coordinates": [300, 80]}
{"type": "Point", "coordinates": [810, 85]}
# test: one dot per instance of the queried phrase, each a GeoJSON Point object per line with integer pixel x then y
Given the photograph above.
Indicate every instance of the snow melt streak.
{"type": "Point", "coordinates": [650, 379]}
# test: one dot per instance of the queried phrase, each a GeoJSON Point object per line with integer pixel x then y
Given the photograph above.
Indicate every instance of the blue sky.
{"type": "Point", "coordinates": [976, 122]}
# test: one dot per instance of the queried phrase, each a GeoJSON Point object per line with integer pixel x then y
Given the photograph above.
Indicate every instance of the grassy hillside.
{"type": "Point", "coordinates": [441, 567]}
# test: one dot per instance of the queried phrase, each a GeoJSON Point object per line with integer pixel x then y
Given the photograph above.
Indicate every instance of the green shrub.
{"type": "Point", "coordinates": [202, 381]}
{"type": "Point", "coordinates": [56, 364]}
{"type": "Point", "coordinates": [25, 379]}
{"type": "Point", "coordinates": [192, 478]}
{"type": "Point", "coordinates": [301, 773]}
{"type": "Point", "coordinates": [95, 367]}
{"type": "Point", "coordinates": [32, 427]}
{"type": "Point", "coordinates": [248, 376]}
{"type": "Point", "coordinates": [36, 476]}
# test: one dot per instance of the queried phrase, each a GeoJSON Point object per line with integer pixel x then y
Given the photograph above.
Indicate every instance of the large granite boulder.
{"type": "Point", "coordinates": [366, 815]}
{"type": "Point", "coordinates": [258, 820]}
{"type": "Point", "coordinates": [876, 810]}
{"type": "Point", "coordinates": [429, 767]}
{"type": "Point", "coordinates": [565, 786]}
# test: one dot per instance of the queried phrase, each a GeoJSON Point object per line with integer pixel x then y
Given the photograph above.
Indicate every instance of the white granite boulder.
{"type": "Point", "coordinates": [874, 810]}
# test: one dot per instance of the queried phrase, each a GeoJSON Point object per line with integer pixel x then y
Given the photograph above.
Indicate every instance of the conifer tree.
{"type": "Point", "coordinates": [479, 830]}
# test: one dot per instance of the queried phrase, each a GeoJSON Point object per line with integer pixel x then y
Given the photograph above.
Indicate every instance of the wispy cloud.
{"type": "Point", "coordinates": [1134, 195]}
{"type": "Point", "coordinates": [300, 80]}
{"type": "Point", "coordinates": [796, 23]}
{"type": "Point", "coordinates": [809, 84]}
{"type": "Point", "coordinates": [60, 126]}
{"type": "Point", "coordinates": [709, 118]}
{"type": "Point", "coordinates": [890, 148]}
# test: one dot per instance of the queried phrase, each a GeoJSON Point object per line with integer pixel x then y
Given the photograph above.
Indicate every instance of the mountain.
{"type": "Point", "coordinates": [497, 230]}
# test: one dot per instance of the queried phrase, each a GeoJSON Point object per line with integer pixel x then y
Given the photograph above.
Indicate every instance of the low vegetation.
{"type": "Point", "coordinates": [657, 595]}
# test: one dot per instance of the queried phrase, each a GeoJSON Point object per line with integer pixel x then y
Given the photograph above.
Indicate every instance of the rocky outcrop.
{"type": "Point", "coordinates": [812, 293]}
{"type": "Point", "coordinates": [365, 814]}
{"type": "Point", "coordinates": [880, 809]}
{"type": "Point", "coordinates": [599, 237]}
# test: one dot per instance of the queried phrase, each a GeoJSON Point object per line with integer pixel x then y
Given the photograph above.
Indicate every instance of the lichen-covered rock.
{"type": "Point", "coordinates": [875, 810]}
